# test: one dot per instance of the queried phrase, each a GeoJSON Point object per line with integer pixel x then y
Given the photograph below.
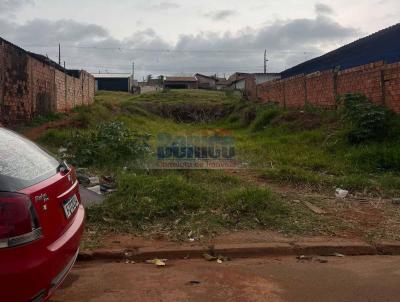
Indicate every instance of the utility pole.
{"type": "Point", "coordinates": [133, 70]}
{"type": "Point", "coordinates": [59, 54]}
{"type": "Point", "coordinates": [265, 61]}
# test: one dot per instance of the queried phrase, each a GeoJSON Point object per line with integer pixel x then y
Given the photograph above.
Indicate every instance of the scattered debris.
{"type": "Point", "coordinates": [314, 208]}
{"type": "Point", "coordinates": [157, 262]}
{"type": "Point", "coordinates": [340, 193]}
{"type": "Point", "coordinates": [338, 255]}
{"type": "Point", "coordinates": [304, 258]}
{"type": "Point", "coordinates": [311, 258]}
{"type": "Point", "coordinates": [208, 257]}
{"type": "Point", "coordinates": [94, 181]}
{"type": "Point", "coordinates": [95, 189]}
{"type": "Point", "coordinates": [224, 259]}
{"type": "Point", "coordinates": [219, 259]}
{"type": "Point", "coordinates": [193, 282]}
{"type": "Point", "coordinates": [396, 201]}
{"type": "Point", "coordinates": [82, 177]}
{"type": "Point", "coordinates": [129, 262]}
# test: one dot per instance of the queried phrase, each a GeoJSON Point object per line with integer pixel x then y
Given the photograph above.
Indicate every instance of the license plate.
{"type": "Point", "coordinates": [70, 206]}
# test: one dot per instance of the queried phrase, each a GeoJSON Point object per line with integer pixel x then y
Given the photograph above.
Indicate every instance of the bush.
{"type": "Point", "coordinates": [110, 143]}
{"type": "Point", "coordinates": [365, 120]}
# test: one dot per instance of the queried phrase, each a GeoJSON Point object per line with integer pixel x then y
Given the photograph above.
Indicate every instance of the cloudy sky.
{"type": "Point", "coordinates": [177, 37]}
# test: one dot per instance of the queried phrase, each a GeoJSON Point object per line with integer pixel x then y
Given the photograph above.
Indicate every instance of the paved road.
{"type": "Point", "coordinates": [375, 278]}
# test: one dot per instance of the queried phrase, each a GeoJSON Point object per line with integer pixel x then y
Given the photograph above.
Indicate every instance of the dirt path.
{"type": "Point", "coordinates": [355, 279]}
{"type": "Point", "coordinates": [36, 132]}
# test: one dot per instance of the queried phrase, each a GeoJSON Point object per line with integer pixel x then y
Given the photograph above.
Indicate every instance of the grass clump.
{"type": "Point", "coordinates": [179, 203]}
{"type": "Point", "coordinates": [264, 118]}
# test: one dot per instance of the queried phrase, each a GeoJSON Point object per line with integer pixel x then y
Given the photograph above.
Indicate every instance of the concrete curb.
{"type": "Point", "coordinates": [252, 250]}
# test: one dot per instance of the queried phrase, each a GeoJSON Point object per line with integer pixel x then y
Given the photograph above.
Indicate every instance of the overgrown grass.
{"type": "Point", "coordinates": [303, 148]}
{"type": "Point", "coordinates": [199, 203]}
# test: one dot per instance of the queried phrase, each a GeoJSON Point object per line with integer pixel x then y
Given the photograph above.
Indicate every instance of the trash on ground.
{"type": "Point", "coordinates": [340, 193]}
{"type": "Point", "coordinates": [129, 262]}
{"type": "Point", "coordinates": [311, 258]}
{"type": "Point", "coordinates": [305, 258]}
{"type": "Point", "coordinates": [396, 200]}
{"type": "Point", "coordinates": [224, 258]}
{"type": "Point", "coordinates": [338, 255]}
{"type": "Point", "coordinates": [95, 189]}
{"type": "Point", "coordinates": [157, 262]}
{"type": "Point", "coordinates": [314, 208]}
{"type": "Point", "coordinates": [219, 259]}
{"type": "Point", "coordinates": [94, 180]}
{"type": "Point", "coordinates": [208, 257]}
{"type": "Point", "coordinates": [194, 282]}
{"type": "Point", "coordinates": [82, 177]}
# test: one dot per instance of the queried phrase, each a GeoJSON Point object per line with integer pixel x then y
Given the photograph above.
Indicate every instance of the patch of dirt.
{"type": "Point", "coordinates": [35, 132]}
{"type": "Point", "coordinates": [300, 120]}
{"type": "Point", "coordinates": [357, 217]}
{"type": "Point", "coordinates": [188, 113]}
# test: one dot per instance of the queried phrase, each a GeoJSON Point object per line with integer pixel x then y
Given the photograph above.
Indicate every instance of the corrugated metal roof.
{"type": "Point", "coordinates": [111, 75]}
{"type": "Point", "coordinates": [383, 45]}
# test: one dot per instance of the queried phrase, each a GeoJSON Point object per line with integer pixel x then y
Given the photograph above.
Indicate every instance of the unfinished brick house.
{"type": "Point", "coordinates": [32, 84]}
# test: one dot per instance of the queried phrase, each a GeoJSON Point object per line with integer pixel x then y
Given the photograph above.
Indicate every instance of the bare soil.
{"type": "Point", "coordinates": [278, 279]}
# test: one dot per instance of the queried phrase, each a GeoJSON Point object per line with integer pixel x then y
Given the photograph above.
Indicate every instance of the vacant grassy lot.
{"type": "Point", "coordinates": [291, 157]}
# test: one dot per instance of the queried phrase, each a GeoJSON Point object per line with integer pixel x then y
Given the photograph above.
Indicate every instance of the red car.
{"type": "Point", "coordinates": [41, 220]}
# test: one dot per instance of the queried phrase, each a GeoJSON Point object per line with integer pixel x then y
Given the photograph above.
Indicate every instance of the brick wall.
{"type": "Point", "coordinates": [320, 89]}
{"type": "Point", "coordinates": [272, 91]}
{"type": "Point", "coordinates": [378, 81]}
{"type": "Point", "coordinates": [32, 86]}
{"type": "Point", "coordinates": [294, 92]}
{"type": "Point", "coordinates": [391, 78]}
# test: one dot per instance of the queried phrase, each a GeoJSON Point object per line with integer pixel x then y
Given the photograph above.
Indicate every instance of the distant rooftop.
{"type": "Point", "coordinates": [181, 79]}
{"type": "Point", "coordinates": [383, 45]}
{"type": "Point", "coordinates": [111, 75]}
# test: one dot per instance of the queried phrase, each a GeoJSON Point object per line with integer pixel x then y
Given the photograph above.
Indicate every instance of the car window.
{"type": "Point", "coordinates": [22, 163]}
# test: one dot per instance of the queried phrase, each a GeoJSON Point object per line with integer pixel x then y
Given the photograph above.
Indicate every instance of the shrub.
{"type": "Point", "coordinates": [365, 120]}
{"type": "Point", "coordinates": [109, 143]}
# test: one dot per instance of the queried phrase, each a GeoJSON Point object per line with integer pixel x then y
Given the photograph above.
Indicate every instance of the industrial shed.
{"type": "Point", "coordinates": [114, 81]}
{"type": "Point", "coordinates": [181, 83]}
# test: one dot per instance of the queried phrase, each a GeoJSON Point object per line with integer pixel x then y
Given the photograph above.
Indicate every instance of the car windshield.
{"type": "Point", "coordinates": [22, 163]}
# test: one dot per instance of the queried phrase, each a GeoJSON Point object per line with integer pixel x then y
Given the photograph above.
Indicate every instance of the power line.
{"type": "Point", "coordinates": [164, 50]}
